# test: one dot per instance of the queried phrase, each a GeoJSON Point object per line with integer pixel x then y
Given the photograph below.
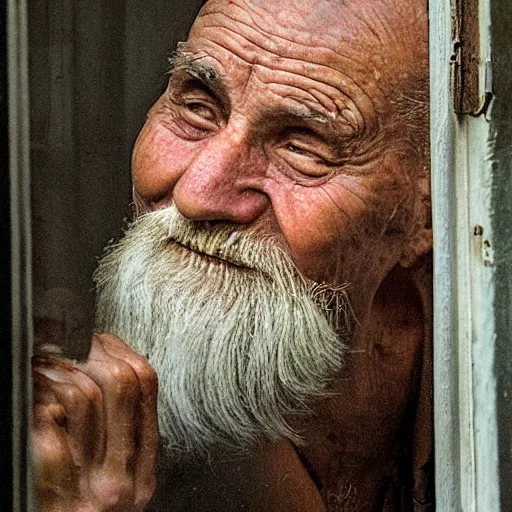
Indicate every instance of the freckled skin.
{"type": "Point", "coordinates": [310, 124]}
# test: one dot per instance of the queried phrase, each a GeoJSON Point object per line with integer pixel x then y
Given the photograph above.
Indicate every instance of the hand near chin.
{"type": "Point", "coordinates": [94, 430]}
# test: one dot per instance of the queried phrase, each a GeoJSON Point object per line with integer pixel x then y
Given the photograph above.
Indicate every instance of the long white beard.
{"type": "Point", "coordinates": [238, 339]}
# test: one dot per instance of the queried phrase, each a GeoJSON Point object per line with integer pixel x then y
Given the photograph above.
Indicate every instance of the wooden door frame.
{"type": "Point", "coordinates": [472, 275]}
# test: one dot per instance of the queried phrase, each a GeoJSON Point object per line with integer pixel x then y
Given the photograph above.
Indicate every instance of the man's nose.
{"type": "Point", "coordinates": [222, 181]}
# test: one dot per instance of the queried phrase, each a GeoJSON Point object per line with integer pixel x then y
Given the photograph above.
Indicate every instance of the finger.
{"type": "Point", "coordinates": [43, 390]}
{"type": "Point", "coordinates": [54, 464]}
{"type": "Point", "coordinates": [120, 390]}
{"type": "Point", "coordinates": [55, 468]}
{"type": "Point", "coordinates": [81, 401]}
{"type": "Point", "coordinates": [147, 420]}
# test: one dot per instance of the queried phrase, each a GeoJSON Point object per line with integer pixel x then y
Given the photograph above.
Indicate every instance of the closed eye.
{"type": "Point", "coordinates": [296, 149]}
{"type": "Point", "coordinates": [201, 110]}
{"type": "Point", "coordinates": [309, 149]}
{"type": "Point", "coordinates": [195, 103]}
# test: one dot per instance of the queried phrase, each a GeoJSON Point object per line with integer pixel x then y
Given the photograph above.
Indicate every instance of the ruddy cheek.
{"type": "Point", "coordinates": [144, 161]}
{"type": "Point", "coordinates": [314, 234]}
{"type": "Point", "coordinates": [316, 255]}
{"type": "Point", "coordinates": [158, 160]}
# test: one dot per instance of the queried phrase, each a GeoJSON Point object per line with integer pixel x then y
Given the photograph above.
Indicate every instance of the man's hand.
{"type": "Point", "coordinates": [95, 432]}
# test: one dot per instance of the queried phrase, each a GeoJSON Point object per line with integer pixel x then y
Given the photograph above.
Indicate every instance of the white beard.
{"type": "Point", "coordinates": [239, 347]}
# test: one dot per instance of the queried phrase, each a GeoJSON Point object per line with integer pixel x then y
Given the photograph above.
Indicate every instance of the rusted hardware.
{"type": "Point", "coordinates": [465, 60]}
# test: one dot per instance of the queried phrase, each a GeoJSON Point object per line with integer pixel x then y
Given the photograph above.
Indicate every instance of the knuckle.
{"type": "Point", "coordinates": [122, 377]}
{"type": "Point", "coordinates": [92, 392]}
{"type": "Point", "coordinates": [51, 453]}
{"type": "Point", "coordinates": [112, 491]}
{"type": "Point", "coordinates": [146, 374]}
{"type": "Point", "coordinates": [107, 339]}
{"type": "Point", "coordinates": [48, 415]}
{"type": "Point", "coordinates": [139, 364]}
{"type": "Point", "coordinates": [73, 397]}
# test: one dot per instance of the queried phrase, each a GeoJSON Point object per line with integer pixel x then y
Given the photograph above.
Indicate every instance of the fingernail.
{"type": "Point", "coordinates": [51, 374]}
{"type": "Point", "coordinates": [48, 349]}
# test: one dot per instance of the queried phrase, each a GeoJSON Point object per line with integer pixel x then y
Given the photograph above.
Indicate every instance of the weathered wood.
{"type": "Point", "coordinates": [446, 417]}
{"type": "Point", "coordinates": [465, 58]}
{"type": "Point", "coordinates": [469, 180]}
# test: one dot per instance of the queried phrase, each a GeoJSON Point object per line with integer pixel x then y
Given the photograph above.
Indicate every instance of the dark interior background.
{"type": "Point", "coordinates": [95, 69]}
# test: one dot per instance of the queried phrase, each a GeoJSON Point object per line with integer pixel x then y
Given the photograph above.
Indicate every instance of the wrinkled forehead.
{"type": "Point", "coordinates": [374, 51]}
{"type": "Point", "coordinates": [368, 27]}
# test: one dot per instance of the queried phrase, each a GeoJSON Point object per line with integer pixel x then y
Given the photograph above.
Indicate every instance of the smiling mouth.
{"type": "Point", "coordinates": [211, 258]}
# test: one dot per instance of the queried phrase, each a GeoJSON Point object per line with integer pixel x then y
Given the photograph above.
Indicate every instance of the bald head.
{"type": "Point", "coordinates": [389, 30]}
{"type": "Point", "coordinates": [382, 44]}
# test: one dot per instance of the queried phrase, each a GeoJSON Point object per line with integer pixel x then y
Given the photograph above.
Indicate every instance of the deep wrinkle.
{"type": "Point", "coordinates": [316, 98]}
{"type": "Point", "coordinates": [301, 120]}
{"type": "Point", "coordinates": [246, 171]}
{"type": "Point", "coordinates": [210, 78]}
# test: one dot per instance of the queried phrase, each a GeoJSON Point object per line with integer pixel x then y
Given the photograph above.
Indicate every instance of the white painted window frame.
{"type": "Point", "coordinates": [465, 331]}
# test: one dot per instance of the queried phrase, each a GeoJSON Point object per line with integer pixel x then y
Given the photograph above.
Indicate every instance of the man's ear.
{"type": "Point", "coordinates": [416, 248]}
{"type": "Point", "coordinates": [420, 241]}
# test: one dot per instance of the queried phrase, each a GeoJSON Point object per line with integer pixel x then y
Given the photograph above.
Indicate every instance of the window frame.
{"type": "Point", "coordinates": [470, 337]}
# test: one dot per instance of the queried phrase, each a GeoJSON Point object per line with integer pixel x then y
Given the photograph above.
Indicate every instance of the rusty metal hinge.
{"type": "Point", "coordinates": [465, 61]}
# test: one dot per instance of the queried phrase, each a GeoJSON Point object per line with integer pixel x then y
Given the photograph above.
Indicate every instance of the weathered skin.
{"type": "Point", "coordinates": [314, 129]}
{"type": "Point", "coordinates": [343, 200]}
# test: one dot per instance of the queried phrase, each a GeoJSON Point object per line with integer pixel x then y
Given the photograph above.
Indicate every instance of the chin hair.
{"type": "Point", "coordinates": [240, 341]}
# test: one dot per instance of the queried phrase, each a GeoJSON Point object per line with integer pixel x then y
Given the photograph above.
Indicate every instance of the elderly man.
{"type": "Point", "coordinates": [275, 278]}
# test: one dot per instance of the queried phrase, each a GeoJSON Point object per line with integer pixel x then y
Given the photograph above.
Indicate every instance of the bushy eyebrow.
{"type": "Point", "coordinates": [188, 63]}
{"type": "Point", "coordinates": [304, 114]}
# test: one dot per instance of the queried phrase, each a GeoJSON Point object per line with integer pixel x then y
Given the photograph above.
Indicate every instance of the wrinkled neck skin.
{"type": "Point", "coordinates": [354, 453]}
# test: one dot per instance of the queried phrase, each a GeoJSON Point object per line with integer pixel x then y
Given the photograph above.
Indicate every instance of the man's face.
{"type": "Point", "coordinates": [297, 121]}
{"type": "Point", "coordinates": [289, 150]}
